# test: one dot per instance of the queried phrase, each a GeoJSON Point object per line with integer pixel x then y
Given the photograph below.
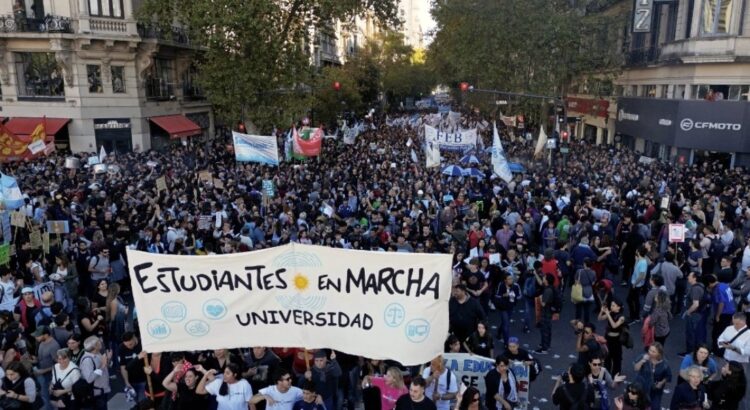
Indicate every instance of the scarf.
{"type": "Point", "coordinates": [512, 394]}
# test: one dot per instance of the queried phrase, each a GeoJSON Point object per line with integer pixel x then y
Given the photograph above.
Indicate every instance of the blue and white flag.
{"type": "Point", "coordinates": [11, 193]}
{"type": "Point", "coordinates": [499, 162]}
{"type": "Point", "coordinates": [255, 148]}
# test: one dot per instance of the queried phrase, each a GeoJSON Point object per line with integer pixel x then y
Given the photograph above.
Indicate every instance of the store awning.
{"type": "Point", "coordinates": [27, 125]}
{"type": "Point", "coordinates": [177, 126]}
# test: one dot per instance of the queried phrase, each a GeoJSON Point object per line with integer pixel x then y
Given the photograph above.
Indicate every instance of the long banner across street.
{"type": "Point", "coordinates": [358, 302]}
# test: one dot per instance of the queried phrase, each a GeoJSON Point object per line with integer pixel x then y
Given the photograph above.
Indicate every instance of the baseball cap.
{"type": "Point", "coordinates": [27, 289]}
{"type": "Point", "coordinates": [41, 330]}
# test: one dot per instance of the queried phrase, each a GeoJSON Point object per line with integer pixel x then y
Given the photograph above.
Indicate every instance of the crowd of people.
{"type": "Point", "coordinates": [588, 235]}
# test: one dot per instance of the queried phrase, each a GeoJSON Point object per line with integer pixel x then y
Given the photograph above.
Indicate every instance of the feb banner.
{"type": "Point", "coordinates": [452, 141]}
{"type": "Point", "coordinates": [471, 369]}
{"type": "Point", "coordinates": [295, 295]}
{"type": "Point", "coordinates": [255, 148]}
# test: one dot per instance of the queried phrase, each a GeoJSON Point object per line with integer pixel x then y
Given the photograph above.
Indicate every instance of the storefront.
{"type": "Point", "coordinates": [114, 134]}
{"type": "Point", "coordinates": [591, 119]}
{"type": "Point", "coordinates": [170, 129]}
{"type": "Point", "coordinates": [681, 130]}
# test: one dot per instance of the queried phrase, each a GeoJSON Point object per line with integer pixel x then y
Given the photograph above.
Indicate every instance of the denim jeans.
{"type": "Point", "coordinates": [504, 329]}
{"type": "Point", "coordinates": [44, 381]}
{"type": "Point", "coordinates": [695, 331]}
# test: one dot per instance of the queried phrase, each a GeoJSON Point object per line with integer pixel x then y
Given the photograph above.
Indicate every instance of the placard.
{"type": "Point", "coordinates": [58, 227]}
{"type": "Point", "coordinates": [45, 242]}
{"type": "Point", "coordinates": [4, 254]}
{"type": "Point", "coordinates": [35, 239]}
{"type": "Point", "coordinates": [205, 176]}
{"type": "Point", "coordinates": [269, 188]}
{"type": "Point", "coordinates": [218, 184]}
{"type": "Point", "coordinates": [664, 203]}
{"type": "Point", "coordinates": [161, 183]}
{"type": "Point", "coordinates": [295, 295]}
{"type": "Point", "coordinates": [521, 371]}
{"type": "Point", "coordinates": [676, 233]}
{"type": "Point", "coordinates": [18, 219]}
{"type": "Point", "coordinates": [204, 223]}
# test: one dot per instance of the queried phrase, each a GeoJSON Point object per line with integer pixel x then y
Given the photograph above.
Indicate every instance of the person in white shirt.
{"type": "Point", "coordinates": [735, 340]}
{"type": "Point", "coordinates": [7, 289]}
{"type": "Point", "coordinates": [282, 396]}
{"type": "Point", "coordinates": [442, 384]}
{"type": "Point", "coordinates": [64, 375]}
{"type": "Point", "coordinates": [232, 391]}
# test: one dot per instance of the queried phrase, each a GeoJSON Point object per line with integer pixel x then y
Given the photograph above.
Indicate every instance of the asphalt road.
{"type": "Point", "coordinates": [562, 352]}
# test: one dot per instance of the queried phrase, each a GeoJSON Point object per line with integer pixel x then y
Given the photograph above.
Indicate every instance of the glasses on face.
{"type": "Point", "coordinates": [596, 364]}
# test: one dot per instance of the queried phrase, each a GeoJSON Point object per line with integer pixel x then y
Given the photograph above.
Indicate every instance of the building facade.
{"type": "Point", "coordinates": [683, 91]}
{"type": "Point", "coordinates": [96, 77]}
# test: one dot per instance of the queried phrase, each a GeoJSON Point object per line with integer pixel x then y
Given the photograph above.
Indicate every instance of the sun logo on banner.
{"type": "Point", "coordinates": [301, 283]}
{"type": "Point", "coordinates": [303, 263]}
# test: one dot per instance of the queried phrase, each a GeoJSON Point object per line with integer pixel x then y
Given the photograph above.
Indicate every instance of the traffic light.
{"type": "Point", "coordinates": [464, 86]}
{"type": "Point", "coordinates": [565, 135]}
{"type": "Point", "coordinates": [336, 86]}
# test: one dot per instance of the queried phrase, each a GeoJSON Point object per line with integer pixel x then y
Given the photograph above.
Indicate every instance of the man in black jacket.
{"type": "Point", "coordinates": [570, 392]}
{"type": "Point", "coordinates": [465, 313]}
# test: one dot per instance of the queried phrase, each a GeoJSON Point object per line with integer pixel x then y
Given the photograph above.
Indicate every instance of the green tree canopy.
{"type": "Point", "coordinates": [255, 58]}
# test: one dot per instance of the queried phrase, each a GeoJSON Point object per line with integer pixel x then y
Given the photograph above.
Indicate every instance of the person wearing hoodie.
{"type": "Point", "coordinates": [325, 374]}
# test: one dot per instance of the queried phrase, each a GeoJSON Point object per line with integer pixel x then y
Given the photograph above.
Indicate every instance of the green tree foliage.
{"type": "Point", "coordinates": [528, 46]}
{"type": "Point", "coordinates": [255, 57]}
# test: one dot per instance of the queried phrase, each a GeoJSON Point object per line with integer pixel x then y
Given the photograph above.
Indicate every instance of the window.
{"type": "Point", "coordinates": [738, 92]}
{"type": "Point", "coordinates": [190, 87]}
{"type": "Point", "coordinates": [649, 91]}
{"type": "Point", "coordinates": [700, 91]}
{"type": "Point", "coordinates": [159, 81]}
{"type": "Point", "coordinates": [94, 77]}
{"type": "Point", "coordinates": [38, 75]}
{"type": "Point", "coordinates": [620, 91]}
{"type": "Point", "coordinates": [106, 8]}
{"type": "Point", "coordinates": [118, 79]}
{"type": "Point", "coordinates": [664, 91]}
{"type": "Point", "coordinates": [717, 15]}
{"type": "Point", "coordinates": [679, 92]}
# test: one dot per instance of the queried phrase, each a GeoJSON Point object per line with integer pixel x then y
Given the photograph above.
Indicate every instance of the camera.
{"type": "Point", "coordinates": [564, 377]}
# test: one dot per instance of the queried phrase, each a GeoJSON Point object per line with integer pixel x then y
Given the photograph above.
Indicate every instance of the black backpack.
{"type": "Point", "coordinates": [83, 391]}
{"type": "Point", "coordinates": [705, 302]}
{"type": "Point", "coordinates": [716, 250]}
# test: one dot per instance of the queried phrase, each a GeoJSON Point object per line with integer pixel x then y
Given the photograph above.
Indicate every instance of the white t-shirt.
{"type": "Point", "coordinates": [284, 401]}
{"type": "Point", "coordinates": [239, 394]}
{"type": "Point", "coordinates": [7, 302]}
{"type": "Point", "coordinates": [443, 387]}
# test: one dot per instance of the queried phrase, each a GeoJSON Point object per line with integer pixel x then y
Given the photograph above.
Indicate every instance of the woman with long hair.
{"type": "Point", "coordinates": [184, 391]}
{"type": "Point", "coordinates": [728, 392]}
{"type": "Point", "coordinates": [660, 317]}
{"type": "Point", "coordinates": [470, 400]}
{"type": "Point", "coordinates": [231, 391]}
{"type": "Point", "coordinates": [700, 357]}
{"type": "Point", "coordinates": [391, 387]}
{"type": "Point", "coordinates": [116, 316]}
{"type": "Point", "coordinates": [18, 388]}
{"type": "Point", "coordinates": [480, 342]}
{"type": "Point", "coordinates": [615, 322]}
{"type": "Point", "coordinates": [633, 399]}
{"type": "Point", "coordinates": [653, 373]}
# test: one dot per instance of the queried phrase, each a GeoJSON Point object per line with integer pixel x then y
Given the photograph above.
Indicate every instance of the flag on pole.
{"type": "Point", "coordinates": [541, 142]}
{"type": "Point", "coordinates": [102, 154]}
{"type": "Point", "coordinates": [309, 142]}
{"type": "Point", "coordinates": [414, 156]}
{"type": "Point", "coordinates": [10, 192]}
{"type": "Point", "coordinates": [499, 162]}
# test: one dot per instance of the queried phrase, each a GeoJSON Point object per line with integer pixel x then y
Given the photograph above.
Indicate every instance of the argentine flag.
{"type": "Point", "coordinates": [11, 193]}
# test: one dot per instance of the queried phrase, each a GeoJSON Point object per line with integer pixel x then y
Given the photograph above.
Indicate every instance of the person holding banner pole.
{"type": "Point", "coordinates": [501, 385]}
{"type": "Point", "coordinates": [441, 383]}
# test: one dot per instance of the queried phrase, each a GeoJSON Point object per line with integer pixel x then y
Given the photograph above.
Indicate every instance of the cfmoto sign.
{"type": "Point", "coordinates": [688, 124]}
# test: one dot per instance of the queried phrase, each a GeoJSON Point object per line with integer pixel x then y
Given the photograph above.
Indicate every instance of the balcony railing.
{"type": "Point", "coordinates": [108, 25]}
{"type": "Point", "coordinates": [49, 24]}
{"type": "Point", "coordinates": [176, 35]}
{"type": "Point", "coordinates": [192, 92]}
{"type": "Point", "coordinates": [642, 56]}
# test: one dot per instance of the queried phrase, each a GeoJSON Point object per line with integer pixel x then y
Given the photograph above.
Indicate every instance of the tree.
{"type": "Point", "coordinates": [529, 46]}
{"type": "Point", "coordinates": [255, 60]}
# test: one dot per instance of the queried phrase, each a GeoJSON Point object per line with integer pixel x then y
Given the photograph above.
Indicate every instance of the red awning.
{"type": "Point", "coordinates": [27, 125]}
{"type": "Point", "coordinates": [177, 126]}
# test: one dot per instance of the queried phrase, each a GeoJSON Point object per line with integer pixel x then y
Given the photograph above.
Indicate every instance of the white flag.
{"type": "Point", "coordinates": [414, 156]}
{"type": "Point", "coordinates": [409, 142]}
{"type": "Point", "coordinates": [541, 142]}
{"type": "Point", "coordinates": [499, 162]}
{"type": "Point", "coordinates": [102, 154]}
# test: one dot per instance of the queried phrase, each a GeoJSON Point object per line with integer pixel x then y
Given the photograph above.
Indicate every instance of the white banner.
{"type": "Point", "coordinates": [521, 371]}
{"type": "Point", "coordinates": [255, 148]}
{"type": "Point", "coordinates": [358, 302]}
{"type": "Point", "coordinates": [470, 369]}
{"type": "Point", "coordinates": [453, 141]}
{"type": "Point", "coordinates": [499, 162]}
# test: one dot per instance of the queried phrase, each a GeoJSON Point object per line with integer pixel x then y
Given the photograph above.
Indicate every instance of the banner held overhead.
{"type": "Point", "coordinates": [295, 296]}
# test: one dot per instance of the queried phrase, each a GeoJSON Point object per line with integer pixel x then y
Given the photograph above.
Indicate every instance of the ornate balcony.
{"type": "Point", "coordinates": [49, 24]}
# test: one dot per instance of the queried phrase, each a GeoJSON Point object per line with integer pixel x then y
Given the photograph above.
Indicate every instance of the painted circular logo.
{"type": "Point", "coordinates": [417, 330]}
{"type": "Point", "coordinates": [686, 124]}
{"type": "Point", "coordinates": [197, 328]}
{"type": "Point", "coordinates": [214, 309]}
{"type": "Point", "coordinates": [158, 329]}
{"type": "Point", "coordinates": [394, 315]}
{"type": "Point", "coordinates": [174, 311]}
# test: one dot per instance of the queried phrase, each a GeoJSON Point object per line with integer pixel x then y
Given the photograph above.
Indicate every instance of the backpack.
{"type": "Point", "coordinates": [83, 391]}
{"type": "Point", "coordinates": [705, 302]}
{"type": "Point", "coordinates": [716, 249]}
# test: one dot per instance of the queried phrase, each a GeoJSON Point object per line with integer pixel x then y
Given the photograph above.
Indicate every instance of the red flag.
{"type": "Point", "coordinates": [310, 147]}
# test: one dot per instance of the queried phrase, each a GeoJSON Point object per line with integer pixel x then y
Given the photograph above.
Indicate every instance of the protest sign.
{"type": "Point", "coordinates": [4, 254]}
{"type": "Point", "coordinates": [18, 219]}
{"type": "Point", "coordinates": [255, 148]}
{"type": "Point", "coordinates": [5, 221]}
{"type": "Point", "coordinates": [470, 369]}
{"type": "Point", "coordinates": [452, 141]}
{"type": "Point", "coordinates": [58, 227]}
{"type": "Point", "coordinates": [269, 188]}
{"type": "Point", "coordinates": [205, 176]}
{"type": "Point", "coordinates": [204, 223]}
{"type": "Point", "coordinates": [35, 239]}
{"type": "Point", "coordinates": [161, 184]}
{"type": "Point", "coordinates": [218, 184]}
{"type": "Point", "coordinates": [521, 371]}
{"type": "Point", "coordinates": [676, 233]}
{"type": "Point", "coordinates": [45, 242]}
{"type": "Point", "coordinates": [42, 288]}
{"type": "Point", "coordinates": [295, 295]}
